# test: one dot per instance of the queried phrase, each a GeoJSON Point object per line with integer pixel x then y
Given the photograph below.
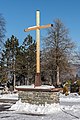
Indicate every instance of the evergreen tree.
{"type": "Point", "coordinates": [25, 60]}
{"type": "Point", "coordinates": [18, 61]}
{"type": "Point", "coordinates": [9, 58]}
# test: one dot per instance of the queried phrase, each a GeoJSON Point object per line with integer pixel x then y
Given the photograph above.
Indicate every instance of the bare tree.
{"type": "Point", "coordinates": [2, 28]}
{"type": "Point", "coordinates": [2, 35]}
{"type": "Point", "coordinates": [58, 47]}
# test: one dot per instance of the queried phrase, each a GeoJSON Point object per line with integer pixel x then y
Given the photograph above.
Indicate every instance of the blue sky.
{"type": "Point", "coordinates": [20, 14]}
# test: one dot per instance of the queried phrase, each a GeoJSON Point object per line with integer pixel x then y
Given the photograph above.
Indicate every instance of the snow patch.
{"type": "Point", "coordinates": [9, 96]}
{"type": "Point", "coordinates": [35, 109]}
{"type": "Point", "coordinates": [72, 97]}
{"type": "Point", "coordinates": [35, 87]}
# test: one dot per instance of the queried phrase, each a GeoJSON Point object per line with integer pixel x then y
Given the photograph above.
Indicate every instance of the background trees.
{"type": "Point", "coordinates": [2, 29]}
{"type": "Point", "coordinates": [9, 58]}
{"type": "Point", "coordinates": [25, 60]}
{"type": "Point", "coordinates": [58, 47]}
{"type": "Point", "coordinates": [2, 35]}
{"type": "Point", "coordinates": [18, 62]}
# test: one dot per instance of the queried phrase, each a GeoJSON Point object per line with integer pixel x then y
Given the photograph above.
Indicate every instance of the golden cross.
{"type": "Point", "coordinates": [37, 28]}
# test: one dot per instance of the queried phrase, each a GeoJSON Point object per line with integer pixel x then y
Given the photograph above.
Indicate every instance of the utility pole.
{"type": "Point", "coordinates": [37, 28]}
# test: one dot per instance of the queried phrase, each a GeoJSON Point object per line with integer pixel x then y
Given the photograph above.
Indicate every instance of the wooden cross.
{"type": "Point", "coordinates": [37, 28]}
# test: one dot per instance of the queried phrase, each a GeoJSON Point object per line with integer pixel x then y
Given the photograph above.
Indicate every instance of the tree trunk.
{"type": "Point", "coordinates": [14, 74]}
{"type": "Point", "coordinates": [14, 80]}
{"type": "Point", "coordinates": [57, 75]}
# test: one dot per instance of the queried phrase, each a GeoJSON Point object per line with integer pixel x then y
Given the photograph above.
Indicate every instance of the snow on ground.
{"type": "Point", "coordinates": [48, 109]}
{"type": "Point", "coordinates": [35, 109]}
{"type": "Point", "coordinates": [67, 109]}
{"type": "Point", "coordinates": [13, 96]}
{"type": "Point", "coordinates": [33, 86]}
{"type": "Point", "coordinates": [72, 97]}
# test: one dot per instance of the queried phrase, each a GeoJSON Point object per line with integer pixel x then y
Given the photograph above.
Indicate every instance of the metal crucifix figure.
{"type": "Point", "coordinates": [37, 28]}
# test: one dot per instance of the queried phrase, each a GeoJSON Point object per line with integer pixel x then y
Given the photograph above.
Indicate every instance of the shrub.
{"type": "Point", "coordinates": [66, 93]}
{"type": "Point", "coordinates": [79, 93]}
{"type": "Point", "coordinates": [78, 83]}
{"type": "Point", "coordinates": [65, 90]}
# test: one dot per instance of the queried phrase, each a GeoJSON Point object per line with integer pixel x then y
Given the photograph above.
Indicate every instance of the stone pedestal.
{"type": "Point", "coordinates": [39, 96]}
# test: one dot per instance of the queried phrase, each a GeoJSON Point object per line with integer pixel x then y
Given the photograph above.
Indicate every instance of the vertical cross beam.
{"type": "Point", "coordinates": [37, 42]}
{"type": "Point", "coordinates": [37, 28]}
{"type": "Point", "coordinates": [37, 77]}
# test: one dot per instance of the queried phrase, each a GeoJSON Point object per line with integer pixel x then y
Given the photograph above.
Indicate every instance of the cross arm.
{"type": "Point", "coordinates": [38, 27]}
